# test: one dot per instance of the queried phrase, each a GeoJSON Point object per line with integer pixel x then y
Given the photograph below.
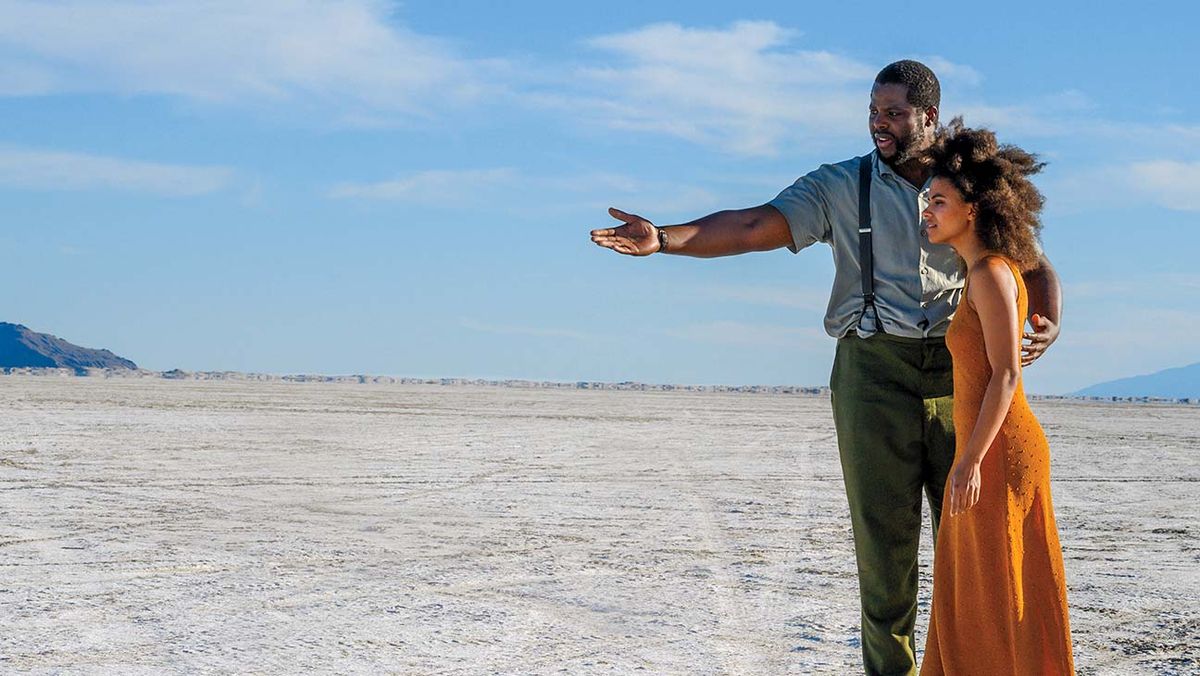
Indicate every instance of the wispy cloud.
{"type": "Point", "coordinates": [738, 88]}
{"type": "Point", "coordinates": [751, 335]}
{"type": "Point", "coordinates": [1168, 183]}
{"type": "Point", "coordinates": [513, 330]}
{"type": "Point", "coordinates": [1048, 115]}
{"type": "Point", "coordinates": [347, 54]}
{"type": "Point", "coordinates": [433, 186]}
{"type": "Point", "coordinates": [950, 72]}
{"type": "Point", "coordinates": [652, 198]}
{"type": "Point", "coordinates": [506, 187]}
{"type": "Point", "coordinates": [1123, 339]}
{"type": "Point", "coordinates": [790, 297]}
{"type": "Point", "coordinates": [1138, 288]}
{"type": "Point", "coordinates": [51, 170]}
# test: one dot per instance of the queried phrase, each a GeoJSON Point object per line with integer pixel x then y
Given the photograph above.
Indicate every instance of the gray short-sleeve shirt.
{"type": "Point", "coordinates": [917, 284]}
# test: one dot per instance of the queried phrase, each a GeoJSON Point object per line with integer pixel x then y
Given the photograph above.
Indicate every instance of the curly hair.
{"type": "Point", "coordinates": [924, 90]}
{"type": "Point", "coordinates": [995, 178]}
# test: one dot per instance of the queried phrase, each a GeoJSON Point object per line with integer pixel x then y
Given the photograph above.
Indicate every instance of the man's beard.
{"type": "Point", "coordinates": [906, 151]}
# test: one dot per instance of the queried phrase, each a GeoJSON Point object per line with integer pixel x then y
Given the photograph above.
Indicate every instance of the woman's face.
{"type": "Point", "coordinates": [948, 217]}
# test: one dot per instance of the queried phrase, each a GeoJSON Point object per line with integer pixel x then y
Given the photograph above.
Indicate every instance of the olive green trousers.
{"type": "Point", "coordinates": [893, 409]}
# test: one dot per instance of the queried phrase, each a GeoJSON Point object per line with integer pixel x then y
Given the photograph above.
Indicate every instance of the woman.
{"type": "Point", "coordinates": [999, 596]}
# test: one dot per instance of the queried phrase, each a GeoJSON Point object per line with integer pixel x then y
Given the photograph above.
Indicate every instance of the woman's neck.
{"type": "Point", "coordinates": [970, 248]}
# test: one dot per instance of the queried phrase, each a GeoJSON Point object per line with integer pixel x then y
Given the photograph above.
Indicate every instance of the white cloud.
{"type": "Point", "coordinates": [1133, 288]}
{"type": "Point", "coordinates": [509, 188]}
{"type": "Point", "coordinates": [777, 296]}
{"type": "Point", "coordinates": [431, 187]}
{"type": "Point", "coordinates": [753, 335]}
{"type": "Point", "coordinates": [344, 54]}
{"type": "Point", "coordinates": [24, 79]}
{"type": "Point", "coordinates": [737, 88]}
{"type": "Point", "coordinates": [1170, 184]}
{"type": "Point", "coordinates": [1174, 185]}
{"type": "Point", "coordinates": [511, 330]}
{"type": "Point", "coordinates": [50, 170]}
{"type": "Point", "coordinates": [1007, 120]}
{"type": "Point", "coordinates": [1053, 114]}
{"type": "Point", "coordinates": [948, 71]}
{"type": "Point", "coordinates": [653, 199]}
{"type": "Point", "coordinates": [1095, 348]}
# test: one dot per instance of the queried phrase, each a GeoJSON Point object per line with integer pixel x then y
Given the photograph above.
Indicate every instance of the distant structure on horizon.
{"type": "Point", "coordinates": [1174, 383]}
{"type": "Point", "coordinates": [22, 348]}
{"type": "Point", "coordinates": [26, 352]}
{"type": "Point", "coordinates": [360, 379]}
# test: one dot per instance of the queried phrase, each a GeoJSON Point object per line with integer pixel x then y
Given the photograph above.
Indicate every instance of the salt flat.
{"type": "Point", "coordinates": [157, 526]}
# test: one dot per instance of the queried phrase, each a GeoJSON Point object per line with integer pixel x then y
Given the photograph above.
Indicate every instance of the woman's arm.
{"type": "Point", "coordinates": [993, 293]}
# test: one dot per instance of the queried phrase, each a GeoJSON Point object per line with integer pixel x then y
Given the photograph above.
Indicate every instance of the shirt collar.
{"type": "Point", "coordinates": [884, 169]}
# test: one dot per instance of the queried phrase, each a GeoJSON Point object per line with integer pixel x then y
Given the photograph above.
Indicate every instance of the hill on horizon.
{"type": "Point", "coordinates": [1174, 383]}
{"type": "Point", "coordinates": [22, 348]}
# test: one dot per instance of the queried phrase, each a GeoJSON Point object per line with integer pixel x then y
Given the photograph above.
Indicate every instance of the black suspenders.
{"type": "Point", "coordinates": [866, 261]}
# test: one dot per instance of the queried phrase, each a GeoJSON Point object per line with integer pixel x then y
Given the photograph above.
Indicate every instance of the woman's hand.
{"type": "Point", "coordinates": [964, 486]}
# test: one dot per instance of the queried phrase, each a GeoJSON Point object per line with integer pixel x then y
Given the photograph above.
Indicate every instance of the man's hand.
{"type": "Point", "coordinates": [1044, 333]}
{"type": "Point", "coordinates": [637, 237]}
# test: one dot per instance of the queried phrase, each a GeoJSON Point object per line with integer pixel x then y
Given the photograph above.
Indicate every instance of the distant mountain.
{"type": "Point", "coordinates": [20, 347]}
{"type": "Point", "coordinates": [1176, 383]}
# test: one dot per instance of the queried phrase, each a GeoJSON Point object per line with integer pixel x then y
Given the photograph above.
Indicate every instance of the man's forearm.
{"type": "Point", "coordinates": [1045, 292]}
{"type": "Point", "coordinates": [726, 233]}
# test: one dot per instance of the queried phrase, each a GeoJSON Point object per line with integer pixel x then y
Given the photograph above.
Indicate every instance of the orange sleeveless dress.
{"type": "Point", "coordinates": [999, 594]}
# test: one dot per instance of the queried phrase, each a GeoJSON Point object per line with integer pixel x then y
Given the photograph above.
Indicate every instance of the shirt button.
{"type": "Point", "coordinates": [925, 271]}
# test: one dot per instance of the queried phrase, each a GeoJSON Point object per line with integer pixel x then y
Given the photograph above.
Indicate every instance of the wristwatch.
{"type": "Point", "coordinates": [662, 240]}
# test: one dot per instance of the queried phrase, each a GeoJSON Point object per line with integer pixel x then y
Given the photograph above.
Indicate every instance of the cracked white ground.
{"type": "Point", "coordinates": [156, 526]}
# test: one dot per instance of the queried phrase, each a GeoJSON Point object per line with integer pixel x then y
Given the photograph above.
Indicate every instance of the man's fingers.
{"type": "Point", "coordinates": [614, 243]}
{"type": "Point", "coordinates": [604, 232]}
{"type": "Point", "coordinates": [619, 244]}
{"type": "Point", "coordinates": [622, 216]}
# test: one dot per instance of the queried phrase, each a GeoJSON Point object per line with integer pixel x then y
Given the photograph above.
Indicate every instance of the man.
{"type": "Point", "coordinates": [893, 296]}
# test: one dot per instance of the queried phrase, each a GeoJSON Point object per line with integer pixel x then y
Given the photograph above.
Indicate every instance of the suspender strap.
{"type": "Point", "coordinates": [866, 261]}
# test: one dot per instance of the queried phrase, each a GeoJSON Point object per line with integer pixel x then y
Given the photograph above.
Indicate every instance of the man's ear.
{"type": "Point", "coordinates": [931, 116]}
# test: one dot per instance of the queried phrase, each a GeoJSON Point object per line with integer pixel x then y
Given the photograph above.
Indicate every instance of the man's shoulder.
{"type": "Point", "coordinates": [835, 172]}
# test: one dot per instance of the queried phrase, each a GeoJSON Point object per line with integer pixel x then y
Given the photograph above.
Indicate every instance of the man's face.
{"type": "Point", "coordinates": [899, 130]}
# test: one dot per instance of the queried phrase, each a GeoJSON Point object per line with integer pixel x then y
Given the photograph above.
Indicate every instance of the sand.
{"type": "Point", "coordinates": [158, 527]}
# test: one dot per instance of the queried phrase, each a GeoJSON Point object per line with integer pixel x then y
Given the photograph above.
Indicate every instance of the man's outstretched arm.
{"type": "Point", "coordinates": [724, 233]}
{"type": "Point", "coordinates": [1045, 310]}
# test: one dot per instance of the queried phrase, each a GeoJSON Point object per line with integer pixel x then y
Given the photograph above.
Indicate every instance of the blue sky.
{"type": "Point", "coordinates": [406, 188]}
